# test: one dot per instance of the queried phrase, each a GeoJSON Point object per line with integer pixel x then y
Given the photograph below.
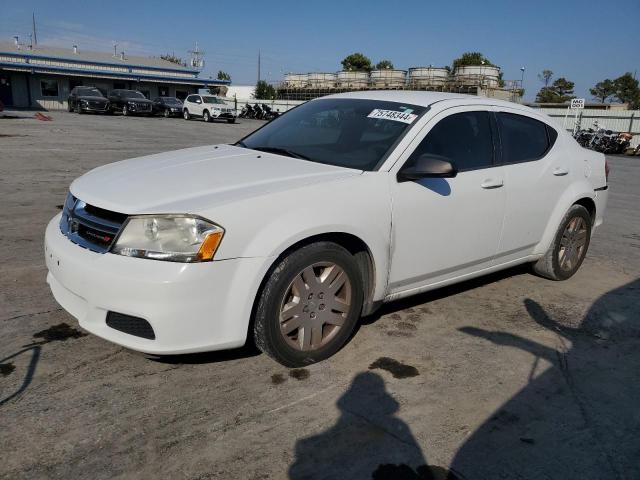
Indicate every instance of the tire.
{"type": "Point", "coordinates": [125, 110]}
{"type": "Point", "coordinates": [167, 113]}
{"type": "Point", "coordinates": [206, 117]}
{"type": "Point", "coordinates": [69, 107]}
{"type": "Point", "coordinates": [231, 120]}
{"type": "Point", "coordinates": [186, 115]}
{"type": "Point", "coordinates": [568, 249]}
{"type": "Point", "coordinates": [310, 309]}
{"type": "Point", "coordinates": [77, 108]}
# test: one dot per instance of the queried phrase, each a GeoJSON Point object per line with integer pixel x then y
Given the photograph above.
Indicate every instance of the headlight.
{"type": "Point", "coordinates": [132, 103]}
{"type": "Point", "coordinates": [83, 101]}
{"type": "Point", "coordinates": [174, 238]}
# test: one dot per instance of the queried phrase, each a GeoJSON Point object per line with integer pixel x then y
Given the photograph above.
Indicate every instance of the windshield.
{"type": "Point", "coordinates": [92, 92]}
{"type": "Point", "coordinates": [346, 132]}
{"type": "Point", "coordinates": [131, 94]}
{"type": "Point", "coordinates": [171, 100]}
{"type": "Point", "coordinates": [213, 100]}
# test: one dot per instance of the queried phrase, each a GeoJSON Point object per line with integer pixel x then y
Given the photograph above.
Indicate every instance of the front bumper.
{"type": "Point", "coordinates": [191, 307]}
{"type": "Point", "coordinates": [96, 109]}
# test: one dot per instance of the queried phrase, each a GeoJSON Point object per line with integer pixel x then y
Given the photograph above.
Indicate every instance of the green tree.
{"type": "Point", "coordinates": [471, 58]}
{"type": "Point", "coordinates": [603, 90]}
{"type": "Point", "coordinates": [559, 91]}
{"type": "Point", "coordinates": [223, 75]}
{"type": "Point", "coordinates": [563, 89]}
{"type": "Point", "coordinates": [545, 77]}
{"type": "Point", "coordinates": [170, 57]}
{"type": "Point", "coordinates": [264, 91]}
{"type": "Point", "coordinates": [384, 65]}
{"type": "Point", "coordinates": [357, 62]}
{"type": "Point", "coordinates": [627, 90]}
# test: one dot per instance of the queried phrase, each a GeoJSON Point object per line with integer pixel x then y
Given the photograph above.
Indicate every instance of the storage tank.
{"type": "Point", "coordinates": [322, 80]}
{"type": "Point", "coordinates": [388, 78]}
{"type": "Point", "coordinates": [348, 79]}
{"type": "Point", "coordinates": [486, 75]}
{"type": "Point", "coordinates": [420, 77]}
{"type": "Point", "coordinates": [296, 80]}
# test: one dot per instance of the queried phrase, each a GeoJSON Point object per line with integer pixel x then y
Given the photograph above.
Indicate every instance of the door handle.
{"type": "Point", "coordinates": [491, 183]}
{"type": "Point", "coordinates": [559, 171]}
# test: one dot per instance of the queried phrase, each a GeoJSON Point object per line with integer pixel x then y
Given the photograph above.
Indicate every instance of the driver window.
{"type": "Point", "coordinates": [464, 138]}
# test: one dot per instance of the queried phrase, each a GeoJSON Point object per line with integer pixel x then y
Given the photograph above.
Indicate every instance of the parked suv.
{"type": "Point", "coordinates": [87, 99]}
{"type": "Point", "coordinates": [208, 107]}
{"type": "Point", "coordinates": [342, 204]}
{"type": "Point", "coordinates": [167, 106]}
{"type": "Point", "coordinates": [130, 102]}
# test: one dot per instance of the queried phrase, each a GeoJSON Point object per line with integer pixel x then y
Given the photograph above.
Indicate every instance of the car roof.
{"type": "Point", "coordinates": [426, 99]}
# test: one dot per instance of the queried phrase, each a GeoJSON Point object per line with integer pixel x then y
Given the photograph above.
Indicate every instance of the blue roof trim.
{"type": "Point", "coordinates": [97, 62]}
{"type": "Point", "coordinates": [195, 81]}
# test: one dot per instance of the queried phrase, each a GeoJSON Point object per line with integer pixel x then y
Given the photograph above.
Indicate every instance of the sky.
{"type": "Point", "coordinates": [584, 41]}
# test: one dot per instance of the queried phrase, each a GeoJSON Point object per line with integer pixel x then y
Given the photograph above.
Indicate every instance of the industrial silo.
{"type": "Point", "coordinates": [322, 80]}
{"type": "Point", "coordinates": [388, 78]}
{"type": "Point", "coordinates": [296, 80]}
{"type": "Point", "coordinates": [353, 80]}
{"type": "Point", "coordinates": [484, 75]}
{"type": "Point", "coordinates": [426, 77]}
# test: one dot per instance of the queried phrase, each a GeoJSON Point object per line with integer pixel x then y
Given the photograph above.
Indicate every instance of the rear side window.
{"type": "Point", "coordinates": [523, 138]}
{"type": "Point", "coordinates": [464, 138]}
{"type": "Point", "coordinates": [191, 98]}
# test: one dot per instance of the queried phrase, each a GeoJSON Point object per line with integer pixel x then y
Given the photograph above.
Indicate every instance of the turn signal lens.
{"type": "Point", "coordinates": [209, 246]}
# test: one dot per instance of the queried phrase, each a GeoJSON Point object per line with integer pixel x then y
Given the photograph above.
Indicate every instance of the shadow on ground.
{"type": "Point", "coordinates": [578, 419]}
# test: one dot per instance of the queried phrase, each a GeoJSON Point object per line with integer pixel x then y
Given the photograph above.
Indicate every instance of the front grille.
{"type": "Point", "coordinates": [143, 106]}
{"type": "Point", "coordinates": [98, 105]}
{"type": "Point", "coordinates": [136, 326]}
{"type": "Point", "coordinates": [89, 226]}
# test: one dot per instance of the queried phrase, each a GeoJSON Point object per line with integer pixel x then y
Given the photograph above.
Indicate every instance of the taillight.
{"type": "Point", "coordinates": [606, 169]}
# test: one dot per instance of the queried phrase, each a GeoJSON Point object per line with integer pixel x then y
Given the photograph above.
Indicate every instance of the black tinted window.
{"type": "Point", "coordinates": [464, 138]}
{"type": "Point", "coordinates": [523, 138]}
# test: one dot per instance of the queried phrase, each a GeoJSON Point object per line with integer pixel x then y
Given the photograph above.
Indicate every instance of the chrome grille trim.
{"type": "Point", "coordinates": [88, 230]}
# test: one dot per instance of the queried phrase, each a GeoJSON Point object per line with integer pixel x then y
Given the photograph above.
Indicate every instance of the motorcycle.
{"type": "Point", "coordinates": [269, 114]}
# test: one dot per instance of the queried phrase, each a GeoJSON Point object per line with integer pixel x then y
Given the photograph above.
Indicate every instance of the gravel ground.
{"type": "Point", "coordinates": [509, 376]}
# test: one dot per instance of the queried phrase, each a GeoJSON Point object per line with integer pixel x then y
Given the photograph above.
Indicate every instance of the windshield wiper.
{"type": "Point", "coordinates": [281, 151]}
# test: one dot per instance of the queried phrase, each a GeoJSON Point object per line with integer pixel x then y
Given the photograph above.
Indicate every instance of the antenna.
{"type": "Point", "coordinates": [35, 37]}
{"type": "Point", "coordinates": [197, 60]}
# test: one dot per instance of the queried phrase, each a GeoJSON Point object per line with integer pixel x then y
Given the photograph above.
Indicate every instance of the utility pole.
{"type": "Point", "coordinates": [35, 37]}
{"type": "Point", "coordinates": [258, 66]}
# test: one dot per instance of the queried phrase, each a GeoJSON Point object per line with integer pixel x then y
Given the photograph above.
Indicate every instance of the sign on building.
{"type": "Point", "coordinates": [577, 103]}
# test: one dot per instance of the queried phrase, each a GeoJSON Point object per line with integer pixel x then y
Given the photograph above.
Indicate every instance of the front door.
{"type": "Point", "coordinates": [6, 96]}
{"type": "Point", "coordinates": [448, 227]}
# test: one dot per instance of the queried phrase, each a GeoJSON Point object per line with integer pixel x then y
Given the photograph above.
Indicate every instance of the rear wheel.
{"type": "Point", "coordinates": [309, 306]}
{"type": "Point", "coordinates": [569, 247]}
{"type": "Point", "coordinates": [185, 114]}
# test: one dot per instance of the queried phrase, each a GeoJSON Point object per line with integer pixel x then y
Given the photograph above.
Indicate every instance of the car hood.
{"type": "Point", "coordinates": [196, 179]}
{"type": "Point", "coordinates": [135, 99]}
{"type": "Point", "coordinates": [92, 98]}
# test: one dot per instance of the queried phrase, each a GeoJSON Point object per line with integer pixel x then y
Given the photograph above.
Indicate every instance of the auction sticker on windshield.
{"type": "Point", "coordinates": [404, 117]}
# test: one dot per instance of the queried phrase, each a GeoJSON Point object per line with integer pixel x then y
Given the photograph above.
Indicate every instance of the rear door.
{"type": "Point", "coordinates": [536, 175]}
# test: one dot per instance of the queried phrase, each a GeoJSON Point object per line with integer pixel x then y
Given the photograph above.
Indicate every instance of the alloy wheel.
{"type": "Point", "coordinates": [315, 306]}
{"type": "Point", "coordinates": [572, 244]}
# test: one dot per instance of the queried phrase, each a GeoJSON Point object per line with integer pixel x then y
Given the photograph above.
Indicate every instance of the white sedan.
{"type": "Point", "coordinates": [289, 236]}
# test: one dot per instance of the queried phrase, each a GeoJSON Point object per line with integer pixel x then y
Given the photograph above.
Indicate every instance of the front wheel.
{"type": "Point", "coordinates": [185, 114]}
{"type": "Point", "coordinates": [231, 120]}
{"type": "Point", "coordinates": [206, 117]}
{"type": "Point", "coordinates": [167, 113]}
{"type": "Point", "coordinates": [309, 305]}
{"type": "Point", "coordinates": [569, 246]}
{"type": "Point", "coordinates": [125, 110]}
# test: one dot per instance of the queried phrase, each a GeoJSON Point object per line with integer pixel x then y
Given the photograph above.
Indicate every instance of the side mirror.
{"type": "Point", "coordinates": [428, 166]}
